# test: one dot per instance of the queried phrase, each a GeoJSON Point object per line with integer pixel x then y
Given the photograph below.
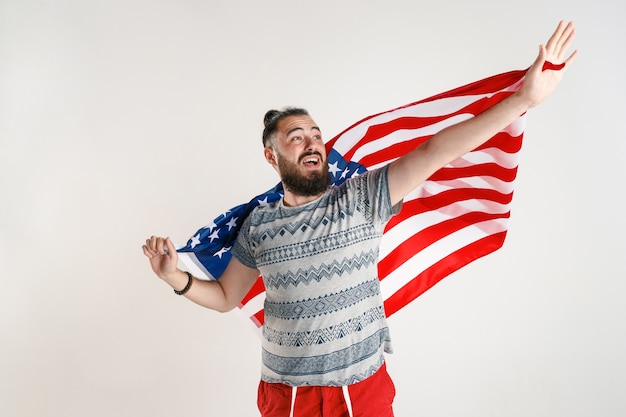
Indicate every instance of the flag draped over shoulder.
{"type": "Point", "coordinates": [457, 216]}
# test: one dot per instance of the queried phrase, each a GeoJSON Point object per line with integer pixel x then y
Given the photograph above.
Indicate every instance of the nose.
{"type": "Point", "coordinates": [309, 141]}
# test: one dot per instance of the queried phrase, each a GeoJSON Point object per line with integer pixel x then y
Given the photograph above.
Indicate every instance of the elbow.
{"type": "Point", "coordinates": [220, 305]}
{"type": "Point", "coordinates": [226, 307]}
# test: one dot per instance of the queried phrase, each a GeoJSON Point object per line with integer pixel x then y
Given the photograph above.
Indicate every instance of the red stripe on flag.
{"type": "Point", "coordinates": [431, 276]}
{"type": "Point", "coordinates": [258, 318]}
{"type": "Point", "coordinates": [435, 202]}
{"type": "Point", "coordinates": [504, 142]}
{"type": "Point", "coordinates": [483, 170]}
{"type": "Point", "coordinates": [419, 241]}
{"type": "Point", "coordinates": [256, 289]}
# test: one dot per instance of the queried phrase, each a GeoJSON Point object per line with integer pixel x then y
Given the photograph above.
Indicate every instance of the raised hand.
{"type": "Point", "coordinates": [163, 256]}
{"type": "Point", "coordinates": [547, 71]}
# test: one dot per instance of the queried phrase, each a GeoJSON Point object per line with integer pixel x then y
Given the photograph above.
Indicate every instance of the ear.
{"type": "Point", "coordinates": [270, 156]}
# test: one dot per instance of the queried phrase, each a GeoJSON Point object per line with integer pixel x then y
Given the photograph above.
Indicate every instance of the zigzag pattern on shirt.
{"type": "Point", "coordinates": [321, 364]}
{"type": "Point", "coordinates": [343, 382]}
{"type": "Point", "coordinates": [303, 224]}
{"type": "Point", "coordinates": [273, 212]}
{"type": "Point", "coordinates": [325, 335]}
{"type": "Point", "coordinates": [363, 200]}
{"type": "Point", "coordinates": [361, 376]}
{"type": "Point", "coordinates": [303, 249]}
{"type": "Point", "coordinates": [323, 271]}
{"type": "Point", "coordinates": [327, 304]}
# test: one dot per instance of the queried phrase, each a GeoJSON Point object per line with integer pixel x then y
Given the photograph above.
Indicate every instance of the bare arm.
{"type": "Point", "coordinates": [408, 172]}
{"type": "Point", "coordinates": [222, 295]}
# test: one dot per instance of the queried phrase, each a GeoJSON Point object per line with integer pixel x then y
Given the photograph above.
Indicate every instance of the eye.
{"type": "Point", "coordinates": [296, 138]}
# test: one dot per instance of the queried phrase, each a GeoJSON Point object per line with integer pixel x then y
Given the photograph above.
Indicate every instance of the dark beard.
{"type": "Point", "coordinates": [306, 186]}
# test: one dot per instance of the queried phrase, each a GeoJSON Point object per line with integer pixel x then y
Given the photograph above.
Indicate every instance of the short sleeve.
{"type": "Point", "coordinates": [374, 199]}
{"type": "Point", "coordinates": [241, 248]}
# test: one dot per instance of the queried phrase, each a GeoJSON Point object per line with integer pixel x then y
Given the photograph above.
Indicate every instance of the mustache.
{"type": "Point", "coordinates": [309, 153]}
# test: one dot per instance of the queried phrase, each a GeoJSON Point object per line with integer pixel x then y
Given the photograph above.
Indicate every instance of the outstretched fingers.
{"type": "Point", "coordinates": [559, 43]}
{"type": "Point", "coordinates": [566, 40]}
{"type": "Point", "coordinates": [556, 37]}
{"type": "Point", "coordinates": [547, 71]}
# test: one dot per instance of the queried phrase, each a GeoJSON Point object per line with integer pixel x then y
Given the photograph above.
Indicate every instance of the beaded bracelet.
{"type": "Point", "coordinates": [189, 282]}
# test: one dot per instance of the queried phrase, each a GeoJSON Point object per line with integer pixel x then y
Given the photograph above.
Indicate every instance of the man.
{"type": "Point", "coordinates": [325, 332]}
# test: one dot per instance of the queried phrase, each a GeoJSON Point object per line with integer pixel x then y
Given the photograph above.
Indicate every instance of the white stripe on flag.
{"type": "Point", "coordinates": [400, 136]}
{"type": "Point", "coordinates": [421, 261]}
{"type": "Point", "coordinates": [430, 188]}
{"type": "Point", "coordinates": [415, 224]}
{"type": "Point", "coordinates": [193, 265]}
{"type": "Point", "coordinates": [254, 305]}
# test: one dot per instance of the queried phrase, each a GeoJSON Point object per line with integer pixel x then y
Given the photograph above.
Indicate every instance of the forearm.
{"type": "Point", "coordinates": [406, 173]}
{"type": "Point", "coordinates": [209, 294]}
{"type": "Point", "coordinates": [457, 140]}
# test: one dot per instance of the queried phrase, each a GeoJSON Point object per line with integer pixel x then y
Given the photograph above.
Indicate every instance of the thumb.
{"type": "Point", "coordinates": [171, 249]}
{"type": "Point", "coordinates": [539, 62]}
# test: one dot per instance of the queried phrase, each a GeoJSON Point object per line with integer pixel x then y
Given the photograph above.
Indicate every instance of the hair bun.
{"type": "Point", "coordinates": [270, 116]}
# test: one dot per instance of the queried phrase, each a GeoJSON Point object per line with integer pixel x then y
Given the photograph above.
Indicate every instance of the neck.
{"type": "Point", "coordinates": [293, 200]}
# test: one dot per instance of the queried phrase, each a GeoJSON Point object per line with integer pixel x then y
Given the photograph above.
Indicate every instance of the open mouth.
{"type": "Point", "coordinates": [312, 160]}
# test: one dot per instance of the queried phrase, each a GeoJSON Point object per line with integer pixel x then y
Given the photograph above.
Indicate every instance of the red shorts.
{"type": "Point", "coordinates": [370, 398]}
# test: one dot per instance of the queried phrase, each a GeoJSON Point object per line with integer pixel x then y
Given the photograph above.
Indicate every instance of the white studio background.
{"type": "Point", "coordinates": [122, 119]}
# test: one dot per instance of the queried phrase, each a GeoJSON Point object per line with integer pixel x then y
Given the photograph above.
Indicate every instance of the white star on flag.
{"type": "Point", "coordinates": [214, 235]}
{"type": "Point", "coordinates": [333, 168]}
{"type": "Point", "coordinates": [195, 240]}
{"type": "Point", "coordinates": [232, 223]}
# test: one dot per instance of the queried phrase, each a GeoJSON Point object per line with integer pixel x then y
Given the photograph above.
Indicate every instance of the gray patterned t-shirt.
{"type": "Point", "coordinates": [324, 317]}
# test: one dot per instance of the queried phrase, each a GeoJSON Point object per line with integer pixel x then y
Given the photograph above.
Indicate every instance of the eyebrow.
{"type": "Point", "coordinates": [300, 128]}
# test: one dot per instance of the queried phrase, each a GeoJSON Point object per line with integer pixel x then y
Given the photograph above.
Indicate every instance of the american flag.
{"type": "Point", "coordinates": [457, 216]}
